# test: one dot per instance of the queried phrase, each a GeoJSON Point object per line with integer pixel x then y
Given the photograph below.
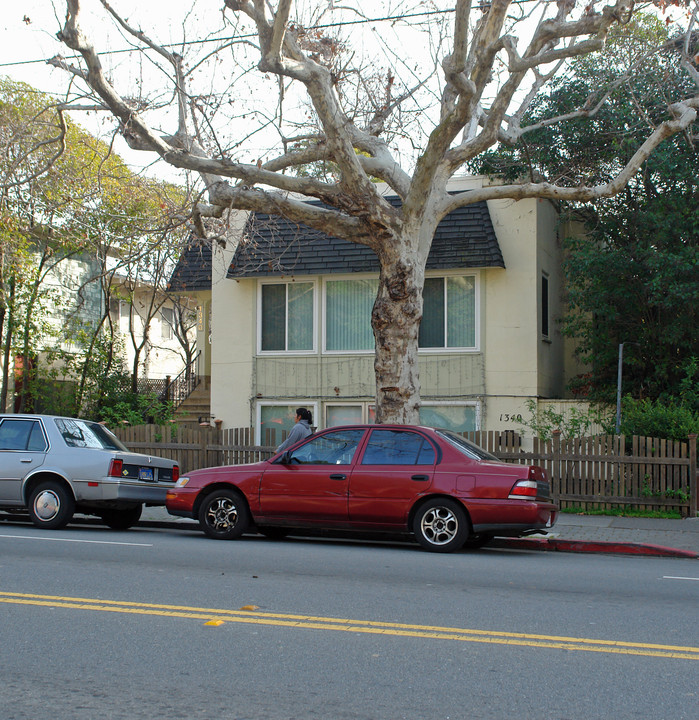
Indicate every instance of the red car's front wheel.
{"type": "Point", "coordinates": [224, 515]}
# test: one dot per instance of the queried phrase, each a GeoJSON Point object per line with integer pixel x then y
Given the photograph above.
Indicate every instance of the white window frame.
{"type": "Point", "coordinates": [286, 283]}
{"type": "Point", "coordinates": [312, 405]}
{"type": "Point", "coordinates": [477, 312]}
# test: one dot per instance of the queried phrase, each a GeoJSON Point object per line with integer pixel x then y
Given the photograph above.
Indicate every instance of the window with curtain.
{"type": "Point", "coordinates": [459, 418]}
{"type": "Point", "coordinates": [349, 414]}
{"type": "Point", "coordinates": [348, 305]}
{"type": "Point", "coordinates": [286, 317]}
{"type": "Point", "coordinates": [449, 312]}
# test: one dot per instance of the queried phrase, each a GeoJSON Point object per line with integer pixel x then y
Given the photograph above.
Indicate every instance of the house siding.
{"type": "Point", "coordinates": [447, 376]}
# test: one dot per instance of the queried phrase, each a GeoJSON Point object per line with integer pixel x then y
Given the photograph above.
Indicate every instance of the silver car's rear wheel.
{"type": "Point", "coordinates": [441, 525]}
{"type": "Point", "coordinates": [51, 505]}
{"type": "Point", "coordinates": [224, 515]}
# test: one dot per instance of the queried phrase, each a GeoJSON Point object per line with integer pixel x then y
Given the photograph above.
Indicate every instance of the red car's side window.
{"type": "Point", "coordinates": [397, 447]}
{"type": "Point", "coordinates": [334, 448]}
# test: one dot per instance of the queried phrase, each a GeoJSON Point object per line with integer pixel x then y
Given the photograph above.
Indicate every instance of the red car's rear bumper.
{"type": "Point", "coordinates": [510, 517]}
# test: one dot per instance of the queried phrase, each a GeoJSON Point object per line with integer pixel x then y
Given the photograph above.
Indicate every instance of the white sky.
{"type": "Point", "coordinates": [33, 39]}
{"type": "Point", "coordinates": [28, 38]}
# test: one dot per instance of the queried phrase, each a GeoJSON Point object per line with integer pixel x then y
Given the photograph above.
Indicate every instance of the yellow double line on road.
{"type": "Point", "coordinates": [217, 616]}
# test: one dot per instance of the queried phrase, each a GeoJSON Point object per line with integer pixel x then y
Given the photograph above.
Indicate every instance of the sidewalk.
{"type": "Point", "coordinates": [571, 533]}
{"type": "Point", "coordinates": [627, 535]}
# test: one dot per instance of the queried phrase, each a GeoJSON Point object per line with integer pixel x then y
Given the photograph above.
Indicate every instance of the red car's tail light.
{"type": "Point", "coordinates": [524, 489]}
{"type": "Point", "coordinates": [175, 473]}
{"type": "Point", "coordinates": [115, 467]}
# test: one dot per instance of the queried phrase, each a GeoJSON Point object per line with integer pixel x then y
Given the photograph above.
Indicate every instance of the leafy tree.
{"type": "Point", "coordinates": [632, 278]}
{"type": "Point", "coordinates": [70, 203]}
{"type": "Point", "coordinates": [658, 418]}
{"type": "Point", "coordinates": [674, 414]}
{"type": "Point", "coordinates": [414, 125]}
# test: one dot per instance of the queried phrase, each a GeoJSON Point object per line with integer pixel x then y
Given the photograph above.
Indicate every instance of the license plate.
{"type": "Point", "coordinates": [146, 474]}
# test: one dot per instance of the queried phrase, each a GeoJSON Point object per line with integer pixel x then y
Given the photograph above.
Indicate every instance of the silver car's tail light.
{"type": "Point", "coordinates": [115, 468]}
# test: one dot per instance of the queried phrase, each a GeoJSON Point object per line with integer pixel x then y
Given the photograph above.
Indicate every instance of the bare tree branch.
{"type": "Point", "coordinates": [334, 108]}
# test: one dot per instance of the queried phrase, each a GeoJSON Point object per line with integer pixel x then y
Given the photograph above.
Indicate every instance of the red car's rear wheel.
{"type": "Point", "coordinates": [441, 525]}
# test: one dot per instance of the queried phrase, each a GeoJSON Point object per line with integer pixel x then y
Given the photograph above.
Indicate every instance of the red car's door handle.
{"type": "Point", "coordinates": [338, 477]}
{"type": "Point", "coordinates": [422, 478]}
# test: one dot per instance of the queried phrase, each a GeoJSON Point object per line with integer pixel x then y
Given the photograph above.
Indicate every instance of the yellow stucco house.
{"type": "Point", "coordinates": [284, 320]}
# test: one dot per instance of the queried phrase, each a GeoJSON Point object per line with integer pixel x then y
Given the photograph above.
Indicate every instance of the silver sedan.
{"type": "Point", "coordinates": [57, 466]}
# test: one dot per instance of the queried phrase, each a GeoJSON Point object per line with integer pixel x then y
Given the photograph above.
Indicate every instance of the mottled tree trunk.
{"type": "Point", "coordinates": [395, 320]}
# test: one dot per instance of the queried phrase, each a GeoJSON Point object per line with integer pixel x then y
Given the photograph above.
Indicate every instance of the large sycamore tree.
{"type": "Point", "coordinates": [451, 81]}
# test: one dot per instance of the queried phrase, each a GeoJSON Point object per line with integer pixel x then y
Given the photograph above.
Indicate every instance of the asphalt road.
{"type": "Point", "coordinates": [169, 624]}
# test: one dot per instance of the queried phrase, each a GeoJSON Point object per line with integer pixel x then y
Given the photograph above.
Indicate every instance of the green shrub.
{"type": "Point", "coordinates": [572, 422]}
{"type": "Point", "coordinates": [669, 418]}
{"type": "Point", "coordinates": [135, 409]}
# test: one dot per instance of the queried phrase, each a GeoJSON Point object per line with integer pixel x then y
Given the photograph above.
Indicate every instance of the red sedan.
{"type": "Point", "coordinates": [446, 491]}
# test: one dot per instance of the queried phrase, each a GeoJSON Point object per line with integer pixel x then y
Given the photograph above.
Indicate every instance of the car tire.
{"type": "Point", "coordinates": [51, 505]}
{"type": "Point", "coordinates": [122, 518]}
{"type": "Point", "coordinates": [441, 525]}
{"type": "Point", "coordinates": [224, 515]}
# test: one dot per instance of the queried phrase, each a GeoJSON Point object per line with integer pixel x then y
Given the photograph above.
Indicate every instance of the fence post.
{"type": "Point", "coordinates": [556, 464]}
{"type": "Point", "coordinates": [203, 446]}
{"type": "Point", "coordinates": [693, 499]}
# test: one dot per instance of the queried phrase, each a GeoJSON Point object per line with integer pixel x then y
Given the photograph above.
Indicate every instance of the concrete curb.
{"type": "Point", "coordinates": [583, 546]}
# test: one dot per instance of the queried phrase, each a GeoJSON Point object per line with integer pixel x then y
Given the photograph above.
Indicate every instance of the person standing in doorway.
{"type": "Point", "coordinates": [301, 430]}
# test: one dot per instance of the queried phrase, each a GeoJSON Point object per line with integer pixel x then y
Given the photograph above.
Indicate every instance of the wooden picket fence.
{"type": "Point", "coordinates": [195, 447]}
{"type": "Point", "coordinates": [607, 471]}
{"type": "Point", "coordinates": [600, 472]}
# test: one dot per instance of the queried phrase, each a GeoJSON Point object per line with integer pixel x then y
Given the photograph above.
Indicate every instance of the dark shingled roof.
{"type": "Point", "coordinates": [273, 245]}
{"type": "Point", "coordinates": [193, 270]}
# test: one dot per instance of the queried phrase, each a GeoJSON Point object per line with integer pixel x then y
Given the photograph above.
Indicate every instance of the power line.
{"type": "Point", "coordinates": [342, 23]}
